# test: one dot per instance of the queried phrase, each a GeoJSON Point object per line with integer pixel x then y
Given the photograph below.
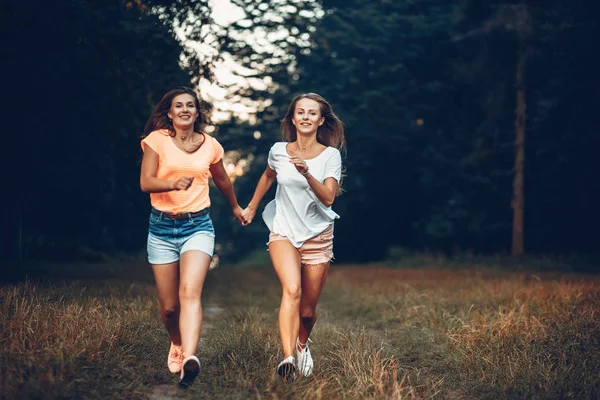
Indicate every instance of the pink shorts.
{"type": "Point", "coordinates": [316, 250]}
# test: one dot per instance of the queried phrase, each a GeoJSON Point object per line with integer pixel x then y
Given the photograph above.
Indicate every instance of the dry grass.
{"type": "Point", "coordinates": [382, 333]}
{"type": "Point", "coordinates": [68, 341]}
{"type": "Point", "coordinates": [481, 333]}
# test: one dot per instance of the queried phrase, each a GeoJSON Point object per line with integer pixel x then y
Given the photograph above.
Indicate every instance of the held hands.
{"type": "Point", "coordinates": [238, 214]}
{"type": "Point", "coordinates": [182, 183]}
{"type": "Point", "coordinates": [249, 213]}
{"type": "Point", "coordinates": [300, 165]}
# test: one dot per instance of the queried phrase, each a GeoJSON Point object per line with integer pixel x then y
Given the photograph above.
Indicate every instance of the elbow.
{"type": "Point", "coordinates": [143, 186]}
{"type": "Point", "coordinates": [328, 202]}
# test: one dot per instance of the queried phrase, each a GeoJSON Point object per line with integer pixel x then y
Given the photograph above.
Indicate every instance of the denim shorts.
{"type": "Point", "coordinates": [168, 238]}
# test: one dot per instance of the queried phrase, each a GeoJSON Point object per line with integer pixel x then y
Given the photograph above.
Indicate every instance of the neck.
{"type": "Point", "coordinates": [184, 134]}
{"type": "Point", "coordinates": [305, 142]}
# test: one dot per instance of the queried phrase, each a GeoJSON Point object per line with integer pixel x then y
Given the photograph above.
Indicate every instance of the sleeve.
{"type": "Point", "coordinates": [333, 166]}
{"type": "Point", "coordinates": [218, 151]}
{"type": "Point", "coordinates": [271, 159]}
{"type": "Point", "coordinates": [152, 141]}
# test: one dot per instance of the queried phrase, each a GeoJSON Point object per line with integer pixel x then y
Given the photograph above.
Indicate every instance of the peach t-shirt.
{"type": "Point", "coordinates": [174, 163]}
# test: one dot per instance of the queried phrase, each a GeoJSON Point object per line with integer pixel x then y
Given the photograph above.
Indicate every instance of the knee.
{"type": "Point", "coordinates": [189, 293]}
{"type": "Point", "coordinates": [170, 311]}
{"type": "Point", "coordinates": [292, 292]}
{"type": "Point", "coordinates": [308, 314]}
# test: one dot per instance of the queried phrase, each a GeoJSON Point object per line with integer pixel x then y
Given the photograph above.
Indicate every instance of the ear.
{"type": "Point", "coordinates": [321, 121]}
{"type": "Point", "coordinates": [169, 115]}
{"type": "Point", "coordinates": [293, 122]}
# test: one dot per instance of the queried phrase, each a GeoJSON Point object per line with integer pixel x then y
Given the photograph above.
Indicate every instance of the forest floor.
{"type": "Point", "coordinates": [92, 331]}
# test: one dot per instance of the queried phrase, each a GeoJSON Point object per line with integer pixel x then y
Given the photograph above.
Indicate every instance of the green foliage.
{"type": "Point", "coordinates": [90, 73]}
{"type": "Point", "coordinates": [426, 90]}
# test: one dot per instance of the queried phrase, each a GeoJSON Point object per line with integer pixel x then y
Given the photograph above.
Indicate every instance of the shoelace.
{"type": "Point", "coordinates": [176, 354]}
{"type": "Point", "coordinates": [298, 344]}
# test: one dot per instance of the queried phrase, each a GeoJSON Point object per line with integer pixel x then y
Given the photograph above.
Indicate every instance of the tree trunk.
{"type": "Point", "coordinates": [518, 200]}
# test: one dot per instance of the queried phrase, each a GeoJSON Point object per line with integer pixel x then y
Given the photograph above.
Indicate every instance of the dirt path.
{"type": "Point", "coordinates": [168, 391]}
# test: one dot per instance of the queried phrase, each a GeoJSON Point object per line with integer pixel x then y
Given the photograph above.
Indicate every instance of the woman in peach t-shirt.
{"type": "Point", "coordinates": [178, 160]}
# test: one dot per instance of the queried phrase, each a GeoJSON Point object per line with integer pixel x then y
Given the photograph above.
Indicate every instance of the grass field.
{"type": "Point", "coordinates": [432, 332]}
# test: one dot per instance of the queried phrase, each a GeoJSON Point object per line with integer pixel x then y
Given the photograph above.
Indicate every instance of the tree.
{"type": "Point", "coordinates": [376, 63]}
{"type": "Point", "coordinates": [84, 78]}
{"type": "Point", "coordinates": [431, 122]}
{"type": "Point", "coordinates": [517, 19]}
{"type": "Point", "coordinates": [94, 78]}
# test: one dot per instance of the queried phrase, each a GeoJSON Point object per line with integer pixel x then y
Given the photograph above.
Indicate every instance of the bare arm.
{"type": "Point", "coordinates": [264, 184]}
{"type": "Point", "coordinates": [325, 191]}
{"type": "Point", "coordinates": [223, 183]}
{"type": "Point", "coordinates": [149, 183]}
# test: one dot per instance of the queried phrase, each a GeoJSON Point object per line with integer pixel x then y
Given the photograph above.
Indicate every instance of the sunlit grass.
{"type": "Point", "coordinates": [486, 335]}
{"type": "Point", "coordinates": [68, 341]}
{"type": "Point", "coordinates": [382, 333]}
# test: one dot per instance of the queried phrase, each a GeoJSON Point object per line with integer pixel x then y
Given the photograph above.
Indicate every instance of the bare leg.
{"type": "Point", "coordinates": [313, 280]}
{"type": "Point", "coordinates": [194, 266]}
{"type": "Point", "coordinates": [286, 261]}
{"type": "Point", "coordinates": [167, 283]}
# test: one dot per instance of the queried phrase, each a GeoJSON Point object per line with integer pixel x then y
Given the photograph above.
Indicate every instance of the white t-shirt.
{"type": "Point", "coordinates": [296, 212]}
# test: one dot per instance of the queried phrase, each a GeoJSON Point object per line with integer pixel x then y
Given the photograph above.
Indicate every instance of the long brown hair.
{"type": "Point", "coordinates": [159, 118]}
{"type": "Point", "coordinates": [330, 133]}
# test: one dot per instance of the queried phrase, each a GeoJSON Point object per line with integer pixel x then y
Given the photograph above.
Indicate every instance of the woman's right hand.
{"type": "Point", "coordinates": [183, 183]}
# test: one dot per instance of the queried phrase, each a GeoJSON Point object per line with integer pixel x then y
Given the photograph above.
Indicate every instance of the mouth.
{"type": "Point", "coordinates": [305, 124]}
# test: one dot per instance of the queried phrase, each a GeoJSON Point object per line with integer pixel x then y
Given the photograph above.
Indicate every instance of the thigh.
{"type": "Point", "coordinates": [286, 262]}
{"type": "Point", "coordinates": [166, 277]}
{"type": "Point", "coordinates": [193, 270]}
{"type": "Point", "coordinates": [313, 280]}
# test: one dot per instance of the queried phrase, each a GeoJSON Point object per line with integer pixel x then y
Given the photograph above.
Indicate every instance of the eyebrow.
{"type": "Point", "coordinates": [310, 109]}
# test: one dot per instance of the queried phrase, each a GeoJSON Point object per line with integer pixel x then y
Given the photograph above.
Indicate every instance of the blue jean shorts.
{"type": "Point", "coordinates": [169, 238]}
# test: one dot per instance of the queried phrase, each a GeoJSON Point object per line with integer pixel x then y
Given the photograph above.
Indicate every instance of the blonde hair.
{"type": "Point", "coordinates": [330, 133]}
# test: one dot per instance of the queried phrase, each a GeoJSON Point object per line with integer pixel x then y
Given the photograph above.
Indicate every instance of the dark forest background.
{"type": "Point", "coordinates": [427, 90]}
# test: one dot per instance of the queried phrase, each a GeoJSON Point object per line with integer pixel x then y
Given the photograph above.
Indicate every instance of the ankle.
{"type": "Point", "coordinates": [299, 345]}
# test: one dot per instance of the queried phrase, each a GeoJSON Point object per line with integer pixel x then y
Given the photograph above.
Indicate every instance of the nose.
{"type": "Point", "coordinates": [305, 116]}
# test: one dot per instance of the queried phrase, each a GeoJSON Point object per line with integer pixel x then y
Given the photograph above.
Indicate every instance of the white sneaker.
{"type": "Point", "coordinates": [287, 368]}
{"type": "Point", "coordinates": [305, 361]}
{"type": "Point", "coordinates": [189, 371]}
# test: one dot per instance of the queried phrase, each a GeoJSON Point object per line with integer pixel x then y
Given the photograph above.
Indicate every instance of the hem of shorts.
{"type": "Point", "coordinates": [210, 255]}
{"type": "Point", "coordinates": [284, 238]}
{"type": "Point", "coordinates": [153, 262]}
{"type": "Point", "coordinates": [207, 233]}
{"type": "Point", "coordinates": [315, 262]}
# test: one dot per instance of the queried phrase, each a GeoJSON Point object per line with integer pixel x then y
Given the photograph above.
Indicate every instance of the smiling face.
{"type": "Point", "coordinates": [183, 111]}
{"type": "Point", "coordinates": [307, 116]}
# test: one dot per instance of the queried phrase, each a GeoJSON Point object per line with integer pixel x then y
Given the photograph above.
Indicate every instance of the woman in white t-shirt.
{"type": "Point", "coordinates": [307, 166]}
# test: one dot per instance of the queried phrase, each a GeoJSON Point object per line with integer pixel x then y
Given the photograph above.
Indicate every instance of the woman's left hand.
{"type": "Point", "coordinates": [300, 164]}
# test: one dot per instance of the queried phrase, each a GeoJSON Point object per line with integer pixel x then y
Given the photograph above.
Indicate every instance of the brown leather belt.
{"type": "Point", "coordinates": [187, 215]}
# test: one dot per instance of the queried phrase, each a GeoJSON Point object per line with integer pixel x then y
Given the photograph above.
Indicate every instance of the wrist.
{"type": "Point", "coordinates": [305, 173]}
